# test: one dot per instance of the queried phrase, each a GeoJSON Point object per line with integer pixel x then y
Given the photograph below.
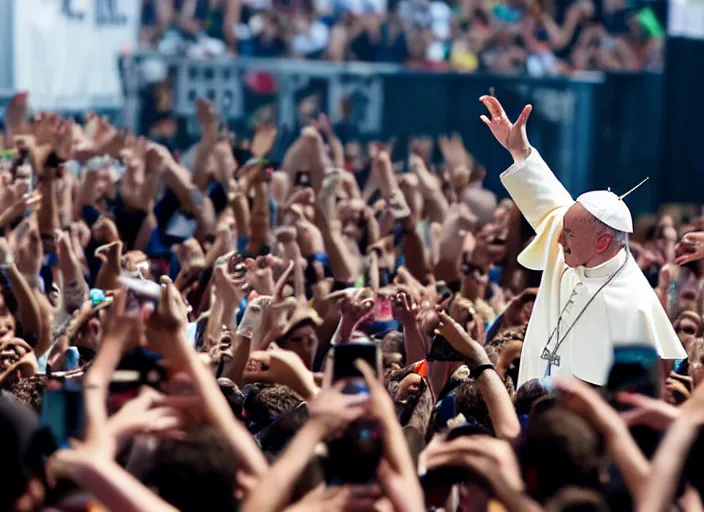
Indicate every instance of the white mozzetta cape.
{"type": "Point", "coordinates": [625, 312]}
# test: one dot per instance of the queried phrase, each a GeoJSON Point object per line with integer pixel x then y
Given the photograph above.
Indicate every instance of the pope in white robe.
{"type": "Point", "coordinates": [582, 311]}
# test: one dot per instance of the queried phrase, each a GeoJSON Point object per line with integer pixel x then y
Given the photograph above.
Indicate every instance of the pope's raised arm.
{"type": "Point", "coordinates": [532, 185]}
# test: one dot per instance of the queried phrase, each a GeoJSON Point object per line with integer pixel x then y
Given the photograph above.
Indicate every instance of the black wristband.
{"type": "Point", "coordinates": [478, 370]}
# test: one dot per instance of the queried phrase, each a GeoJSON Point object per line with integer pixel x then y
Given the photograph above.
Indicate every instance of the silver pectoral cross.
{"type": "Point", "coordinates": [552, 358]}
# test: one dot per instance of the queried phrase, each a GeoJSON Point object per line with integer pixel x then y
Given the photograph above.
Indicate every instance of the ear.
{"type": "Point", "coordinates": [94, 327]}
{"type": "Point", "coordinates": [603, 242]}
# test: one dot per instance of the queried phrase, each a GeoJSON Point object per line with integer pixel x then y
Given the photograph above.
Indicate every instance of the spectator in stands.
{"type": "Point", "coordinates": [310, 36]}
{"type": "Point", "coordinates": [267, 37]}
{"type": "Point", "coordinates": [520, 36]}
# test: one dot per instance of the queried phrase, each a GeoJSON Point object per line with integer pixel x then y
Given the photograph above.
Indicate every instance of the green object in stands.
{"type": "Point", "coordinates": [650, 23]}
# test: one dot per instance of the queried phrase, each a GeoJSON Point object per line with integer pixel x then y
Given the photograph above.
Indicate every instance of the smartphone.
{"type": "Point", "coordinates": [383, 309]}
{"type": "Point", "coordinates": [635, 369]}
{"type": "Point", "coordinates": [63, 413]}
{"type": "Point", "coordinates": [346, 354]}
{"type": "Point", "coordinates": [141, 289]}
{"type": "Point", "coordinates": [354, 457]}
{"type": "Point", "coordinates": [302, 179]}
{"type": "Point", "coordinates": [136, 369]}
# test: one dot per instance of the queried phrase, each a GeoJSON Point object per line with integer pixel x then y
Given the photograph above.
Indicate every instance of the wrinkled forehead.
{"type": "Point", "coordinates": [577, 217]}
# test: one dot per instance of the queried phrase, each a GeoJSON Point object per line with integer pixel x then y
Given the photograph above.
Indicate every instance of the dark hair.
{"type": "Point", "coordinates": [508, 334]}
{"type": "Point", "coordinates": [264, 403]}
{"type": "Point", "coordinates": [393, 343]}
{"type": "Point", "coordinates": [276, 436]}
{"type": "Point", "coordinates": [470, 403]}
{"type": "Point", "coordinates": [30, 391]}
{"type": "Point", "coordinates": [527, 395]}
{"type": "Point", "coordinates": [196, 473]}
{"type": "Point", "coordinates": [233, 394]}
{"type": "Point", "coordinates": [575, 452]}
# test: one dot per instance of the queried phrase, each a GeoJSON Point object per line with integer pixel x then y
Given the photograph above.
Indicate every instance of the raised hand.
{"type": "Point", "coordinates": [150, 413]}
{"type": "Point", "coordinates": [276, 312]}
{"type": "Point", "coordinates": [586, 402]}
{"type": "Point", "coordinates": [120, 327]}
{"type": "Point", "coordinates": [338, 499]}
{"type": "Point", "coordinates": [105, 231]}
{"type": "Point", "coordinates": [260, 274]}
{"type": "Point", "coordinates": [62, 142]}
{"type": "Point", "coordinates": [16, 202]}
{"type": "Point", "coordinates": [494, 459]}
{"type": "Point", "coordinates": [690, 248]}
{"type": "Point", "coordinates": [192, 260]}
{"type": "Point", "coordinates": [230, 287]}
{"type": "Point", "coordinates": [282, 367]}
{"type": "Point", "coordinates": [652, 412]}
{"type": "Point", "coordinates": [336, 410]}
{"type": "Point", "coordinates": [16, 113]}
{"type": "Point", "coordinates": [355, 307]}
{"type": "Point", "coordinates": [263, 141]}
{"type": "Point", "coordinates": [405, 308]}
{"type": "Point", "coordinates": [157, 157]}
{"type": "Point", "coordinates": [30, 252]}
{"type": "Point", "coordinates": [358, 305]}
{"type": "Point", "coordinates": [207, 117]}
{"type": "Point", "coordinates": [462, 342]}
{"type": "Point", "coordinates": [511, 136]}
{"type": "Point", "coordinates": [166, 326]}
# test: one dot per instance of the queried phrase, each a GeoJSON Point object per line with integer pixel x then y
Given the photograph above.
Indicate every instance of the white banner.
{"type": "Point", "coordinates": [66, 51]}
{"type": "Point", "coordinates": [686, 18]}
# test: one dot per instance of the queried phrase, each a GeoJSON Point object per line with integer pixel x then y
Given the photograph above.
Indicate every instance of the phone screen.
{"type": "Point", "coordinates": [302, 179]}
{"type": "Point", "coordinates": [140, 289]}
{"type": "Point", "coordinates": [62, 413]}
{"type": "Point", "coordinates": [635, 369]}
{"type": "Point", "coordinates": [346, 355]}
{"type": "Point", "coordinates": [383, 310]}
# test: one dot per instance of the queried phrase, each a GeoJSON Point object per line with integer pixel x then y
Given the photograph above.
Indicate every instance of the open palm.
{"type": "Point", "coordinates": [511, 136]}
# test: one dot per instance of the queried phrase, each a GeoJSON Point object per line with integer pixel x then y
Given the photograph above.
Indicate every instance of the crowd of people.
{"type": "Point", "coordinates": [551, 37]}
{"type": "Point", "coordinates": [228, 332]}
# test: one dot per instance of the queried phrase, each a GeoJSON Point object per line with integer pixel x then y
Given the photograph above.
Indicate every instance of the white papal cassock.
{"type": "Point", "coordinates": [624, 312]}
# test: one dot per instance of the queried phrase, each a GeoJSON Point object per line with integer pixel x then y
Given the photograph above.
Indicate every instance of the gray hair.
{"type": "Point", "coordinates": [620, 237]}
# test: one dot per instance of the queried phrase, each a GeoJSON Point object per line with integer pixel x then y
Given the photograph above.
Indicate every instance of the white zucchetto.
{"type": "Point", "coordinates": [608, 208]}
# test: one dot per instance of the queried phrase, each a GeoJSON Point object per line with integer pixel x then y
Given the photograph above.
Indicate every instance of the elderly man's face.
{"type": "Point", "coordinates": [578, 237]}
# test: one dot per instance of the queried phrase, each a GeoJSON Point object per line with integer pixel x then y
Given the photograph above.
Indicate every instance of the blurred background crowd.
{"type": "Point", "coordinates": [536, 37]}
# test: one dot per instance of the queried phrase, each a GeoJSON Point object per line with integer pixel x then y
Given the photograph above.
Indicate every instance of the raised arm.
{"type": "Point", "coordinates": [532, 185]}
